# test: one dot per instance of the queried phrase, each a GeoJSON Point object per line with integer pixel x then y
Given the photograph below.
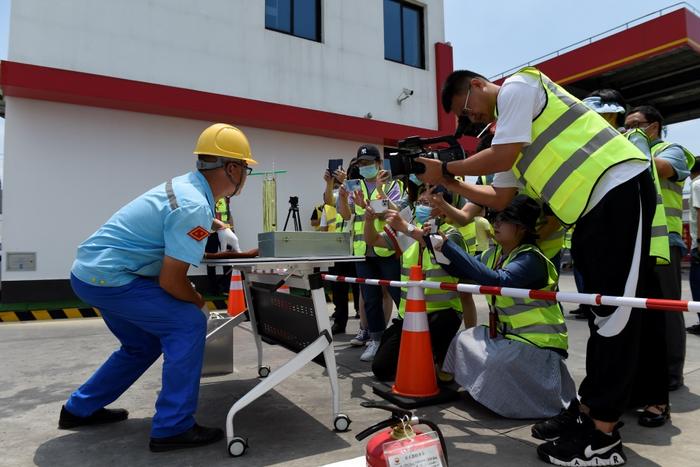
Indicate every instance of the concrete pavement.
{"type": "Point", "coordinates": [43, 362]}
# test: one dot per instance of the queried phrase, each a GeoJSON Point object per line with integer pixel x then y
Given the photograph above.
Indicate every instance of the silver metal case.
{"type": "Point", "coordinates": [299, 244]}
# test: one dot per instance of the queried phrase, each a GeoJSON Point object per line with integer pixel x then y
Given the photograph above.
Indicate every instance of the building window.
{"type": "Point", "coordinates": [403, 33]}
{"type": "Point", "coordinates": [301, 18]}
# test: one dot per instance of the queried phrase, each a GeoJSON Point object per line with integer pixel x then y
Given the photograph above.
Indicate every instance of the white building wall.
{"type": "Point", "coordinates": [222, 46]}
{"type": "Point", "coordinates": [71, 167]}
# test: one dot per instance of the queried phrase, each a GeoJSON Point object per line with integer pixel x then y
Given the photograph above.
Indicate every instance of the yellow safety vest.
{"type": "Point", "coordinates": [672, 192]}
{"type": "Point", "coordinates": [221, 210]}
{"type": "Point", "coordinates": [659, 247]}
{"type": "Point", "coordinates": [572, 147]}
{"type": "Point", "coordinates": [358, 225]}
{"type": "Point", "coordinates": [435, 299]}
{"type": "Point", "coordinates": [537, 322]}
{"type": "Point", "coordinates": [551, 245]}
{"type": "Point", "coordinates": [469, 234]}
{"type": "Point", "coordinates": [567, 238]}
{"type": "Point", "coordinates": [331, 218]}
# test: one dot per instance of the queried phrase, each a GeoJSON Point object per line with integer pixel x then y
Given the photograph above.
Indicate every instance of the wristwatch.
{"type": "Point", "coordinates": [446, 173]}
{"type": "Point", "coordinates": [410, 228]}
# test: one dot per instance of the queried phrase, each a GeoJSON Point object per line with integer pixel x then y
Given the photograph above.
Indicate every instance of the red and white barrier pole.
{"type": "Point", "coordinates": [567, 297]}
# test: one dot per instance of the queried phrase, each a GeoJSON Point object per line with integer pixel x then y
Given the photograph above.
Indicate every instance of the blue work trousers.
{"type": "Point", "coordinates": [147, 321]}
{"type": "Point", "coordinates": [375, 267]}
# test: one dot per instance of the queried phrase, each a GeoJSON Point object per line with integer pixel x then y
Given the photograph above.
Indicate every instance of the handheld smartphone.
{"type": "Point", "coordinates": [379, 205]}
{"type": "Point", "coordinates": [352, 185]}
{"type": "Point", "coordinates": [334, 164]}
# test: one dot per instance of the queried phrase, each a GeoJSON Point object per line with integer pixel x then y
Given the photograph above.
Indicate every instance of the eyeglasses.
{"type": "Point", "coordinates": [634, 125]}
{"type": "Point", "coordinates": [248, 170]}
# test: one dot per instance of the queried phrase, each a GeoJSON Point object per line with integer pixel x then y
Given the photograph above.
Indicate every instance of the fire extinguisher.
{"type": "Point", "coordinates": [393, 429]}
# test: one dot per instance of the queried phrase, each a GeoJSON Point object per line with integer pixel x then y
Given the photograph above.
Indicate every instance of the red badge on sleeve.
{"type": "Point", "coordinates": [199, 233]}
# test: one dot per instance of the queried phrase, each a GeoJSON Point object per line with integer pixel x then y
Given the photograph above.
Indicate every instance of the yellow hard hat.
{"type": "Point", "coordinates": [223, 140]}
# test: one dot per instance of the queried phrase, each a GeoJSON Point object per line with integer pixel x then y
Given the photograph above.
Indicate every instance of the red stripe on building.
{"type": "Point", "coordinates": [72, 87]}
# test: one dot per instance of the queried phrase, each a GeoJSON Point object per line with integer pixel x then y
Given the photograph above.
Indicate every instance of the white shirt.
{"type": "Point", "coordinates": [694, 203]}
{"type": "Point", "coordinates": [521, 99]}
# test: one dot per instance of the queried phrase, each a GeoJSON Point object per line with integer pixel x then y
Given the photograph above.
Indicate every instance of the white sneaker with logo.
{"type": "Point", "coordinates": [370, 351]}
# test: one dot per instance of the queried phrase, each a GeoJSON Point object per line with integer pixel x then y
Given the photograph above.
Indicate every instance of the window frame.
{"type": "Point", "coordinates": [421, 15]}
{"type": "Point", "coordinates": [319, 22]}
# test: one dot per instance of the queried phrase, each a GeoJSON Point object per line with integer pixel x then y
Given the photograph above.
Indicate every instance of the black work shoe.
{"type": "Point", "coordinates": [674, 384]}
{"type": "Point", "coordinates": [591, 447]}
{"type": "Point", "coordinates": [694, 329]}
{"type": "Point", "coordinates": [67, 420]}
{"type": "Point", "coordinates": [569, 421]}
{"type": "Point", "coordinates": [192, 438]}
{"type": "Point", "coordinates": [653, 420]}
{"type": "Point", "coordinates": [337, 329]}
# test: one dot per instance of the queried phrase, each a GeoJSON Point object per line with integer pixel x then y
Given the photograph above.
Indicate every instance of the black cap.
{"type": "Point", "coordinates": [368, 152]}
{"type": "Point", "coordinates": [523, 210]}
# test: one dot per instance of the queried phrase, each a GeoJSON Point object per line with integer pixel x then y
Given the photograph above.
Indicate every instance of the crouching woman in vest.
{"type": "Point", "coordinates": [514, 367]}
{"type": "Point", "coordinates": [444, 308]}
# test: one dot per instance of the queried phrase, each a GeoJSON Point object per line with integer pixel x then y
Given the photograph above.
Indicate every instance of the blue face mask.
{"type": "Point", "coordinates": [414, 178]}
{"type": "Point", "coordinates": [423, 213]}
{"type": "Point", "coordinates": [369, 172]}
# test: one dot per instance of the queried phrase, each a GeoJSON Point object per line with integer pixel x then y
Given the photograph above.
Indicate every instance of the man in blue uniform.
{"type": "Point", "coordinates": [134, 269]}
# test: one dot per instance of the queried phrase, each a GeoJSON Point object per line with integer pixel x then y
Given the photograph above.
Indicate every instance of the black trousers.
{"type": "Point", "coordinates": [603, 250]}
{"type": "Point", "coordinates": [443, 326]}
{"type": "Point", "coordinates": [339, 291]}
{"type": "Point", "coordinates": [669, 277]}
{"type": "Point", "coordinates": [216, 284]}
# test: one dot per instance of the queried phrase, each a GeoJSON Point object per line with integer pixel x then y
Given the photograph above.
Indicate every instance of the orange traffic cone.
{"type": "Point", "coordinates": [415, 374]}
{"type": "Point", "coordinates": [236, 297]}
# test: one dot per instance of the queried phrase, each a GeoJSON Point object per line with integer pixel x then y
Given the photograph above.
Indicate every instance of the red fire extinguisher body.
{"type": "Point", "coordinates": [375, 447]}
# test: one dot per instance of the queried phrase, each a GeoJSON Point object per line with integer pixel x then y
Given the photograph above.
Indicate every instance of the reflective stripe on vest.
{"type": "Point", "coordinates": [435, 299]}
{"type": "Point", "coordinates": [538, 322]}
{"type": "Point", "coordinates": [358, 225]}
{"type": "Point", "coordinates": [659, 246]}
{"type": "Point", "coordinates": [469, 234]}
{"type": "Point", "coordinates": [672, 192]}
{"type": "Point", "coordinates": [572, 147]}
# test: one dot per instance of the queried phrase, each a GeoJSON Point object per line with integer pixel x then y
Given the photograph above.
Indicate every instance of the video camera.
{"type": "Point", "coordinates": [403, 162]}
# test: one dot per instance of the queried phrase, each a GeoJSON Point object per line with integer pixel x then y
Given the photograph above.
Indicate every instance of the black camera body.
{"type": "Point", "coordinates": [443, 148]}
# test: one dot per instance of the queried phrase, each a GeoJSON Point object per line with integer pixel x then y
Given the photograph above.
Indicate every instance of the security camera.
{"type": "Point", "coordinates": [405, 94]}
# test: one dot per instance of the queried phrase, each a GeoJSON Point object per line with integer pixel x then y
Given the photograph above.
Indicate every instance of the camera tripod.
{"type": "Point", "coordinates": [294, 213]}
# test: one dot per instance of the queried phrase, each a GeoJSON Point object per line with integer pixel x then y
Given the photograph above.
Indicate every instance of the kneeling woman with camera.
{"type": "Point", "coordinates": [515, 366]}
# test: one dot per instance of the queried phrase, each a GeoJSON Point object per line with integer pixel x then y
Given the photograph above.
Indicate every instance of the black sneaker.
{"type": "Point", "coordinates": [569, 421]}
{"type": "Point", "coordinates": [694, 329]}
{"type": "Point", "coordinates": [67, 420]}
{"type": "Point", "coordinates": [590, 447]}
{"type": "Point", "coordinates": [192, 438]}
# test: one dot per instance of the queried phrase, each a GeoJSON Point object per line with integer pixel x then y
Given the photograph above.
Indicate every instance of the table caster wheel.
{"type": "Point", "coordinates": [264, 371]}
{"type": "Point", "coordinates": [237, 447]}
{"type": "Point", "coordinates": [342, 423]}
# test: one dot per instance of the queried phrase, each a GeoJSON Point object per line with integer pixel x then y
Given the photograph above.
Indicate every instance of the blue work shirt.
{"type": "Point", "coordinates": [134, 241]}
